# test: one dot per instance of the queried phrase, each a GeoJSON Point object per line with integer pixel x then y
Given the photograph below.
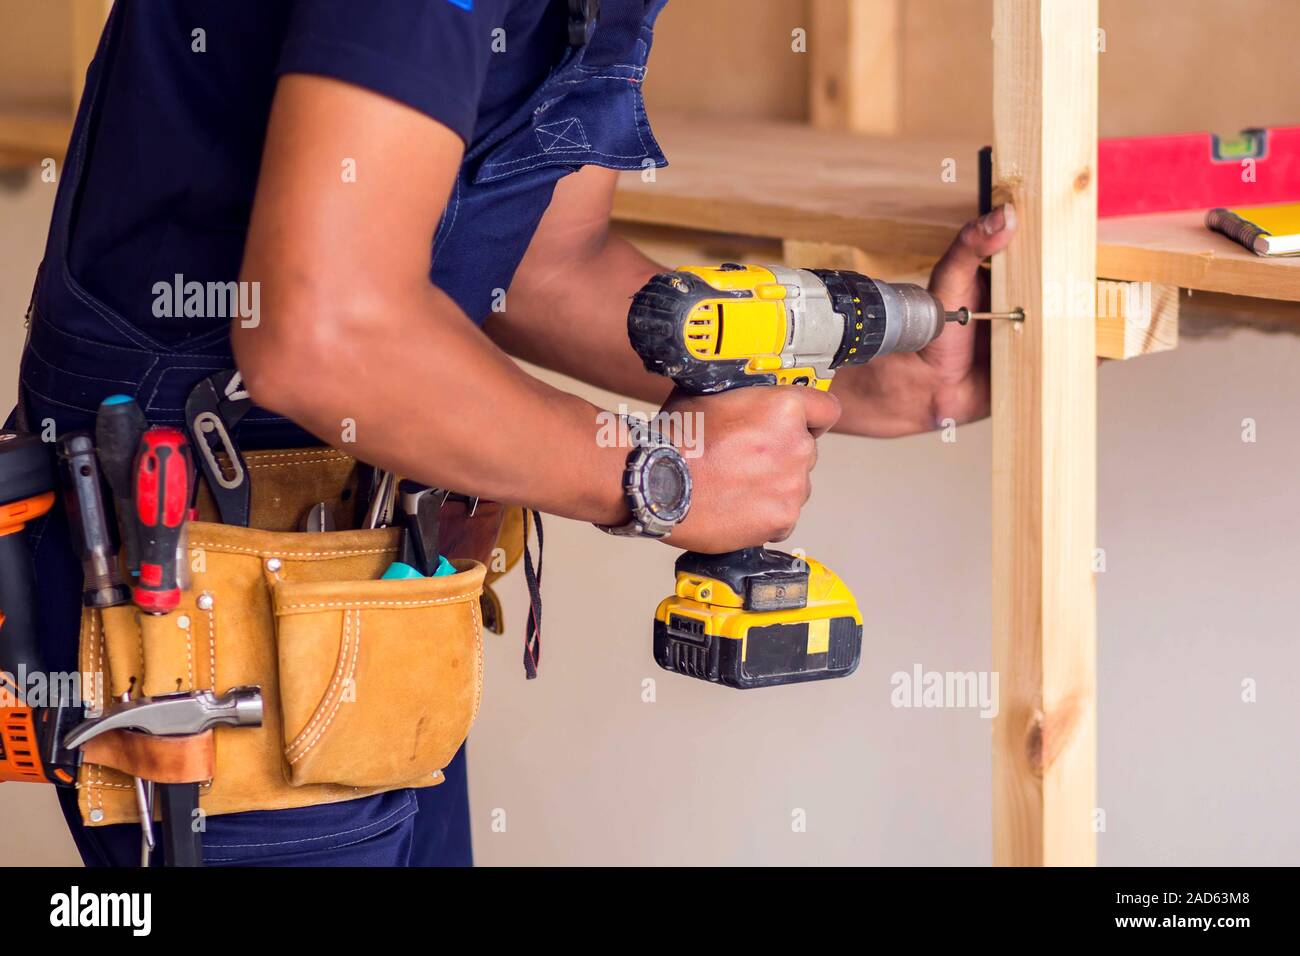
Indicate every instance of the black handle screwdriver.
{"type": "Point", "coordinates": [119, 427]}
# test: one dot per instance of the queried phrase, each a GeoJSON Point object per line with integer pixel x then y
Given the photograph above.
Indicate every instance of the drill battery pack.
{"type": "Point", "coordinates": [757, 618]}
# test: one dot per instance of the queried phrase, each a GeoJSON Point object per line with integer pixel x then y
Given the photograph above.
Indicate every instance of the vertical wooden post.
{"type": "Point", "coordinates": [804, 254]}
{"type": "Point", "coordinates": [855, 48]}
{"type": "Point", "coordinates": [88, 18]}
{"type": "Point", "coordinates": [1044, 434]}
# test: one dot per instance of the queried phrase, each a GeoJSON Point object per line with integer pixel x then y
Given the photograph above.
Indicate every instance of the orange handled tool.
{"type": "Point", "coordinates": [31, 731]}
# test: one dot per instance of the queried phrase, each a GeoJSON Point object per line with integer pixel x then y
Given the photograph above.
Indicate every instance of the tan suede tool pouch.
{"type": "Point", "coordinates": [368, 685]}
{"type": "Point", "coordinates": [379, 680]}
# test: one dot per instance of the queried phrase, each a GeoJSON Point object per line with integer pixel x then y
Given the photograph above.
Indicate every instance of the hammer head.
{"type": "Point", "coordinates": [175, 715]}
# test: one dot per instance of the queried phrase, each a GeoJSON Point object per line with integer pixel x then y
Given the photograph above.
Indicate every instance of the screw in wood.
{"type": "Point", "coordinates": [963, 315]}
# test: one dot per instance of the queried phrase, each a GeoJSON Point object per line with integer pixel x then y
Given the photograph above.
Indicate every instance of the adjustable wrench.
{"type": "Point", "coordinates": [215, 406]}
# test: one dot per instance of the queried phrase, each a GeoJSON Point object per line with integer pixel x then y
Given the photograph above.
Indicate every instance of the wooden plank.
{"type": "Point", "coordinates": [732, 58]}
{"type": "Point", "coordinates": [1044, 435]}
{"type": "Point", "coordinates": [1133, 318]}
{"type": "Point", "coordinates": [1175, 248]}
{"type": "Point", "coordinates": [786, 181]}
{"type": "Point", "coordinates": [88, 18]}
{"type": "Point", "coordinates": [34, 50]}
{"type": "Point", "coordinates": [855, 48]}
{"type": "Point", "coordinates": [800, 254]}
{"type": "Point", "coordinates": [1136, 318]}
{"type": "Point", "coordinates": [1149, 80]}
{"type": "Point", "coordinates": [31, 131]}
{"type": "Point", "coordinates": [30, 134]}
{"type": "Point", "coordinates": [673, 248]}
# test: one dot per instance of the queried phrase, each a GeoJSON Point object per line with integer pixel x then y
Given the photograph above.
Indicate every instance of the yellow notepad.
{"type": "Point", "coordinates": [1265, 230]}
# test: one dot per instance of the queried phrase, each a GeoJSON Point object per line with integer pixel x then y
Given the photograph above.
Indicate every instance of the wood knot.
{"type": "Point", "coordinates": [1047, 735]}
{"type": "Point", "coordinates": [1034, 743]}
{"type": "Point", "coordinates": [1082, 179]}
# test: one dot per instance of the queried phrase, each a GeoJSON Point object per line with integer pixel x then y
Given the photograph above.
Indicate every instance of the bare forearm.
{"type": "Point", "coordinates": [441, 404]}
{"type": "Point", "coordinates": [357, 346]}
{"type": "Point", "coordinates": [567, 307]}
{"type": "Point", "coordinates": [570, 316]}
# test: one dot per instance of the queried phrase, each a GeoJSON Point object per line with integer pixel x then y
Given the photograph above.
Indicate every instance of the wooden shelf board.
{"type": "Point", "coordinates": [32, 132]}
{"type": "Point", "coordinates": [1175, 248]}
{"type": "Point", "coordinates": [789, 181]}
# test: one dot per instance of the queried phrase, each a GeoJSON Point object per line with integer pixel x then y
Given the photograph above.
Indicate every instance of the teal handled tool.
{"type": "Point", "coordinates": [419, 505]}
{"type": "Point", "coordinates": [401, 571]}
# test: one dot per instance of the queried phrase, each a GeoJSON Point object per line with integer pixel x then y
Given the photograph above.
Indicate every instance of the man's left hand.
{"type": "Point", "coordinates": [958, 281]}
{"type": "Point", "coordinates": [948, 380]}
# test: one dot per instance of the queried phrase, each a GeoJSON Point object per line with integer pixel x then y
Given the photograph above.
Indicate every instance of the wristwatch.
{"type": "Point", "coordinates": [657, 487]}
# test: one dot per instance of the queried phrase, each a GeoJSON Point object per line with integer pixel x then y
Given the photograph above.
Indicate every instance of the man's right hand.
{"type": "Point", "coordinates": [756, 453]}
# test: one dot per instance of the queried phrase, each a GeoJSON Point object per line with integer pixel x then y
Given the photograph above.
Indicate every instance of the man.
{"type": "Point", "coordinates": [318, 150]}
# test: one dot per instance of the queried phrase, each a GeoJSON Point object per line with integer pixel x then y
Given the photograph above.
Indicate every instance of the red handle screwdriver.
{"type": "Point", "coordinates": [163, 476]}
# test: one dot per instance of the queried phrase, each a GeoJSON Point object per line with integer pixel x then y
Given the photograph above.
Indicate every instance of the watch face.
{"type": "Point", "coordinates": [666, 484]}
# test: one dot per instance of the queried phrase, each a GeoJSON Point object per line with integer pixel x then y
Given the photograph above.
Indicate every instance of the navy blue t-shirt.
{"type": "Point", "coordinates": [173, 157]}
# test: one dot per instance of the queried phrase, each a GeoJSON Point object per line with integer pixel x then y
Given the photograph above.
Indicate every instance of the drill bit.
{"type": "Point", "coordinates": [963, 315]}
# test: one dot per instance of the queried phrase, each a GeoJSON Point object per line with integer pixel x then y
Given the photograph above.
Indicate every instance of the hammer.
{"type": "Point", "coordinates": [176, 715]}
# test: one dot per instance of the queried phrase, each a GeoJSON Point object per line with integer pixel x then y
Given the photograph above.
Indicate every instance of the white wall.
{"type": "Point", "coordinates": [31, 827]}
{"type": "Point", "coordinates": [1200, 531]}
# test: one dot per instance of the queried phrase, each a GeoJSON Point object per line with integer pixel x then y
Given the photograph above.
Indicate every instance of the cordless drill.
{"type": "Point", "coordinates": [755, 617]}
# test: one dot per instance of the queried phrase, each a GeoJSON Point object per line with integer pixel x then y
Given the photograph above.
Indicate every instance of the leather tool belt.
{"type": "Point", "coordinates": [368, 685]}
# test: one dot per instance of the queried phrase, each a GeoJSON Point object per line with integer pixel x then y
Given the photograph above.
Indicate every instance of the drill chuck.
{"type": "Point", "coordinates": [879, 318]}
{"type": "Point", "coordinates": [917, 317]}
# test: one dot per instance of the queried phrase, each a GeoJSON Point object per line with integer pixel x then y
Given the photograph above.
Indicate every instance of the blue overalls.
{"type": "Point", "coordinates": [588, 111]}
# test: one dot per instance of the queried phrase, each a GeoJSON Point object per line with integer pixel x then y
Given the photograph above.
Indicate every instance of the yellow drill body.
{"type": "Point", "coordinates": [757, 618]}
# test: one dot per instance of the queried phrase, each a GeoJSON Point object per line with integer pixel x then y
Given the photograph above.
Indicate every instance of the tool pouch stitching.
{"type": "Point", "coordinates": [334, 577]}
{"type": "Point", "coordinates": [347, 663]}
{"type": "Point", "coordinates": [403, 674]}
